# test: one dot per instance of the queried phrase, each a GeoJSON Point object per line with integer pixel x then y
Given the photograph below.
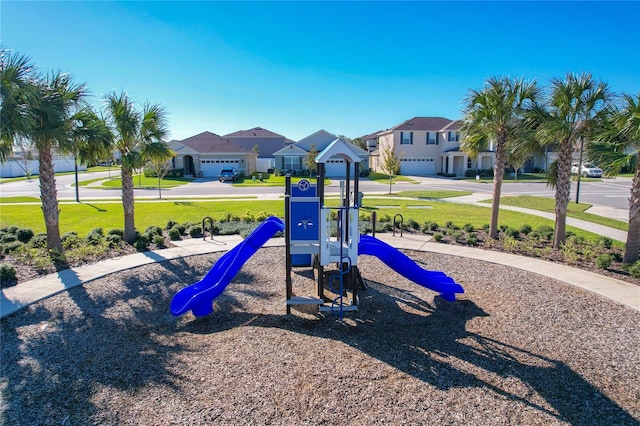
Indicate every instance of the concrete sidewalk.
{"type": "Point", "coordinates": [15, 298]}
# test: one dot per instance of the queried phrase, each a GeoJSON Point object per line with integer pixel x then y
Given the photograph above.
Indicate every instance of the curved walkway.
{"type": "Point", "coordinates": [15, 298]}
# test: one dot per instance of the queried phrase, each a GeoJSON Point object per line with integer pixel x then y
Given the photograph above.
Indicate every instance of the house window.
{"type": "Point", "coordinates": [406, 138]}
{"type": "Point", "coordinates": [453, 136]}
{"type": "Point", "coordinates": [469, 164]}
{"type": "Point", "coordinates": [432, 138]}
{"type": "Point", "coordinates": [291, 163]}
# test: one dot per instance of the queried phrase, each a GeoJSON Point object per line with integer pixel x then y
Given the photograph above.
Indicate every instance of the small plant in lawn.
{"type": "Point", "coordinates": [181, 229]}
{"type": "Point", "coordinates": [9, 248]}
{"type": "Point", "coordinates": [153, 230]}
{"type": "Point", "coordinates": [113, 240]}
{"type": "Point", "coordinates": [510, 244]}
{"type": "Point", "coordinates": [118, 232]}
{"type": "Point", "coordinates": [171, 224]}
{"type": "Point", "coordinates": [472, 239]}
{"type": "Point", "coordinates": [95, 236]}
{"type": "Point", "coordinates": [604, 261]}
{"type": "Point", "coordinates": [486, 227]}
{"type": "Point", "coordinates": [469, 227]}
{"type": "Point", "coordinates": [39, 240]}
{"type": "Point", "coordinates": [605, 242]}
{"type": "Point", "coordinates": [513, 233]}
{"type": "Point", "coordinates": [544, 232]}
{"type": "Point", "coordinates": [438, 236]}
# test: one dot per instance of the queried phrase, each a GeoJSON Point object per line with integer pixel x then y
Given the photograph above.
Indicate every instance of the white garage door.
{"type": "Point", "coordinates": [211, 168]}
{"type": "Point", "coordinates": [337, 168]}
{"type": "Point", "coordinates": [417, 166]}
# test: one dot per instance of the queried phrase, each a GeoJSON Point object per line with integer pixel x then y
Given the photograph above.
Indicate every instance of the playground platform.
{"type": "Point", "coordinates": [15, 298]}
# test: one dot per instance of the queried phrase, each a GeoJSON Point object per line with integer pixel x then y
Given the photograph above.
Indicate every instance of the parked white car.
{"type": "Point", "coordinates": [588, 170]}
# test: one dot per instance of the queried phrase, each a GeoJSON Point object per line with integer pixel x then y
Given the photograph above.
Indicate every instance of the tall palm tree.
{"type": "Point", "coordinates": [566, 117]}
{"type": "Point", "coordinates": [59, 99]}
{"type": "Point", "coordinates": [132, 130]}
{"type": "Point", "coordinates": [90, 140]}
{"type": "Point", "coordinates": [18, 79]}
{"type": "Point", "coordinates": [615, 144]}
{"type": "Point", "coordinates": [494, 114]}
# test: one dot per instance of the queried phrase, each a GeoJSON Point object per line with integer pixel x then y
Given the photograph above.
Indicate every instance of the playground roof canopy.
{"type": "Point", "coordinates": [338, 148]}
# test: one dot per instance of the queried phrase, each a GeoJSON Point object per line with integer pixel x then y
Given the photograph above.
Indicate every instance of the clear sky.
{"type": "Point", "coordinates": [350, 68]}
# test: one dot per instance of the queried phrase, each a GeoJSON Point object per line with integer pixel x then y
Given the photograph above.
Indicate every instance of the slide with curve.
{"type": "Point", "coordinates": [199, 297]}
{"type": "Point", "coordinates": [402, 264]}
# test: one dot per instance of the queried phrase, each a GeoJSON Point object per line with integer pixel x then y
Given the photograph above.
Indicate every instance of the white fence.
{"type": "Point", "coordinates": [16, 168]}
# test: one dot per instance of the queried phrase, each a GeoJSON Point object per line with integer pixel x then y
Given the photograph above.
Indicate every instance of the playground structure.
{"type": "Point", "coordinates": [316, 236]}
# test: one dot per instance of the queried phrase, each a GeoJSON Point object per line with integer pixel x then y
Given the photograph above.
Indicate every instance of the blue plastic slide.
{"type": "Point", "coordinates": [402, 264]}
{"type": "Point", "coordinates": [199, 297]}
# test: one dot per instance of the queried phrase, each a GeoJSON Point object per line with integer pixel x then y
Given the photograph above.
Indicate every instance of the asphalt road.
{"type": "Point", "coordinates": [608, 192]}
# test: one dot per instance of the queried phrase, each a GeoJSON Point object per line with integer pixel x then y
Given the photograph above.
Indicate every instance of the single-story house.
{"type": "Point", "coordinates": [206, 153]}
{"type": "Point", "coordinates": [291, 158]}
{"type": "Point", "coordinates": [262, 142]}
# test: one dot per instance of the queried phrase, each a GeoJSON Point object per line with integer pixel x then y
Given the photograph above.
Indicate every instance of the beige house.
{"type": "Point", "coordinates": [426, 146]}
{"type": "Point", "coordinates": [206, 153]}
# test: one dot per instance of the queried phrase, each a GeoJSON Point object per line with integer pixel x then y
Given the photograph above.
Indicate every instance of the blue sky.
{"type": "Point", "coordinates": [350, 68]}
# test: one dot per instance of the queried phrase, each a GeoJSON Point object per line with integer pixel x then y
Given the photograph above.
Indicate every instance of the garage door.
{"type": "Point", "coordinates": [337, 168]}
{"type": "Point", "coordinates": [211, 168]}
{"type": "Point", "coordinates": [417, 166]}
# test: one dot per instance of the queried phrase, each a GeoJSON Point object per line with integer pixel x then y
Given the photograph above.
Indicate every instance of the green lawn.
{"type": "Point", "coordinates": [574, 210]}
{"type": "Point", "coordinates": [384, 178]}
{"type": "Point", "coordinates": [10, 200]}
{"type": "Point", "coordinates": [84, 217]}
{"type": "Point", "coordinates": [429, 194]}
{"type": "Point", "coordinates": [272, 180]}
{"type": "Point", "coordinates": [140, 182]}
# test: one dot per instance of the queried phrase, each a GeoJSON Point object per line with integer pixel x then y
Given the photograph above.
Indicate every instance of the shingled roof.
{"type": "Point", "coordinates": [423, 123]}
{"type": "Point", "coordinates": [256, 132]}
{"type": "Point", "coordinates": [210, 142]}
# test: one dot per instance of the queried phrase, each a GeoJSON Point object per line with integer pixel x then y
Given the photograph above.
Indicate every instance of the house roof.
{"type": "Point", "coordinates": [321, 138]}
{"type": "Point", "coordinates": [290, 150]}
{"type": "Point", "coordinates": [256, 132]}
{"type": "Point", "coordinates": [423, 123]}
{"type": "Point", "coordinates": [454, 125]}
{"type": "Point", "coordinates": [371, 136]}
{"type": "Point", "coordinates": [210, 142]}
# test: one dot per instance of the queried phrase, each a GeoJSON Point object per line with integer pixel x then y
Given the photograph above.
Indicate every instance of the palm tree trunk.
{"type": "Point", "coordinates": [49, 198]}
{"type": "Point", "coordinates": [563, 191]}
{"type": "Point", "coordinates": [498, 176]}
{"type": "Point", "coordinates": [632, 251]}
{"type": "Point", "coordinates": [127, 204]}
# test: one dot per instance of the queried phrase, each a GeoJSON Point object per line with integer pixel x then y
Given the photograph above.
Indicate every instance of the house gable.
{"type": "Point", "coordinates": [207, 142]}
{"type": "Point", "coordinates": [321, 138]}
{"type": "Point", "coordinates": [267, 142]}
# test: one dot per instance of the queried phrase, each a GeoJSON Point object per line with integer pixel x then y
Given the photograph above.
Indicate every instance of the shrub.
{"type": "Point", "coordinates": [8, 238]}
{"type": "Point", "coordinates": [181, 229]}
{"type": "Point", "coordinates": [153, 230]}
{"type": "Point", "coordinates": [634, 269]}
{"type": "Point", "coordinates": [438, 236]}
{"type": "Point", "coordinates": [384, 218]}
{"type": "Point", "coordinates": [9, 229]}
{"type": "Point", "coordinates": [113, 240]}
{"type": "Point", "coordinates": [39, 240]}
{"type": "Point", "coordinates": [472, 239]}
{"type": "Point", "coordinates": [141, 243]}
{"type": "Point", "coordinates": [512, 233]}
{"type": "Point", "coordinates": [502, 228]}
{"type": "Point", "coordinates": [604, 261]}
{"type": "Point", "coordinates": [7, 273]}
{"type": "Point", "coordinates": [605, 242]}
{"type": "Point", "coordinates": [11, 246]}
{"type": "Point", "coordinates": [174, 234]}
{"type": "Point", "coordinates": [158, 240]}
{"type": "Point", "coordinates": [24, 235]}
{"type": "Point", "coordinates": [486, 227]}
{"type": "Point", "coordinates": [525, 229]}
{"type": "Point", "coordinates": [70, 240]}
{"type": "Point", "coordinates": [171, 224]}
{"type": "Point", "coordinates": [413, 224]}
{"type": "Point", "coordinates": [544, 232]}
{"type": "Point", "coordinates": [469, 227]}
{"type": "Point", "coordinates": [195, 231]}
{"type": "Point", "coordinates": [95, 236]}
{"type": "Point", "coordinates": [118, 232]}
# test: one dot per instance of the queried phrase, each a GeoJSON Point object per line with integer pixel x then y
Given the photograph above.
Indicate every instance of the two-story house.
{"type": "Point", "coordinates": [264, 143]}
{"type": "Point", "coordinates": [426, 146]}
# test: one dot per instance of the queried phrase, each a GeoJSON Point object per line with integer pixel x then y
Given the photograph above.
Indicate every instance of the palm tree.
{"type": "Point", "coordinates": [18, 79]}
{"type": "Point", "coordinates": [494, 114]}
{"type": "Point", "coordinates": [90, 140]}
{"type": "Point", "coordinates": [616, 144]}
{"type": "Point", "coordinates": [565, 118]}
{"type": "Point", "coordinates": [132, 130]}
{"type": "Point", "coordinates": [58, 99]}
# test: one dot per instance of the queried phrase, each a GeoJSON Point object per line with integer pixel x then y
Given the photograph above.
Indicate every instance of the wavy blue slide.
{"type": "Point", "coordinates": [199, 297]}
{"type": "Point", "coordinates": [402, 264]}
